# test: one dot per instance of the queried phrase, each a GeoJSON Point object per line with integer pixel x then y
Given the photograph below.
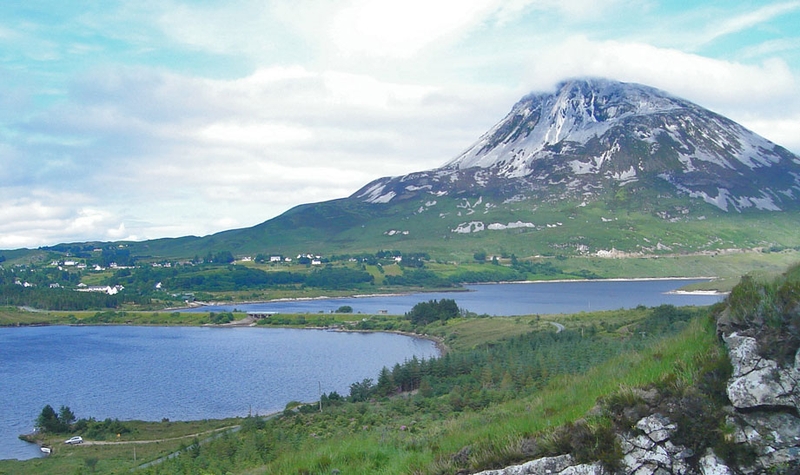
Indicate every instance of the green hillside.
{"type": "Point", "coordinates": [495, 398]}
{"type": "Point", "coordinates": [674, 226]}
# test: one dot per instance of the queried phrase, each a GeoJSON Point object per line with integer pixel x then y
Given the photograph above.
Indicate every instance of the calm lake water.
{"type": "Point", "coordinates": [506, 299]}
{"type": "Point", "coordinates": [181, 373]}
{"type": "Point", "coordinates": [190, 373]}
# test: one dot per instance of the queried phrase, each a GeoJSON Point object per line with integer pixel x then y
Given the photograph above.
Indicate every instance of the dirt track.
{"type": "Point", "coordinates": [128, 442]}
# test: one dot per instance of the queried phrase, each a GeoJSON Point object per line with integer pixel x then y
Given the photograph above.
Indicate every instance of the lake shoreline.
{"type": "Point", "coordinates": [251, 358]}
{"type": "Point", "coordinates": [448, 290]}
{"type": "Point", "coordinates": [320, 297]}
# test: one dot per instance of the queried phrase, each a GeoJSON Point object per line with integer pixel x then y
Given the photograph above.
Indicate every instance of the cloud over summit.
{"type": "Point", "coordinates": [156, 119]}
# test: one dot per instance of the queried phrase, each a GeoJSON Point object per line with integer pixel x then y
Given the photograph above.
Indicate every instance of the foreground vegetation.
{"type": "Point", "coordinates": [474, 407]}
{"type": "Point", "coordinates": [508, 390]}
{"type": "Point", "coordinates": [140, 442]}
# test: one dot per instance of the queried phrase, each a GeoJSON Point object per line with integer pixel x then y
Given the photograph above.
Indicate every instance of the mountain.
{"type": "Point", "coordinates": [595, 166]}
{"type": "Point", "coordinates": [593, 135]}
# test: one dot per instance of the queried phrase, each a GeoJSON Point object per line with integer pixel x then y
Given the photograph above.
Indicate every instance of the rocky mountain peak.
{"type": "Point", "coordinates": [578, 111]}
{"type": "Point", "coordinates": [594, 134]}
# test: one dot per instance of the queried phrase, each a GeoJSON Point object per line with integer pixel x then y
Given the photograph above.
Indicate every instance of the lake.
{"type": "Point", "coordinates": [528, 298]}
{"type": "Point", "coordinates": [180, 373]}
{"type": "Point", "coordinates": [189, 373]}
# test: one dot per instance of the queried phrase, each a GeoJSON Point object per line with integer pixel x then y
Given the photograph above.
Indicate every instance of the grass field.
{"type": "Point", "coordinates": [334, 439]}
{"type": "Point", "coordinates": [496, 436]}
{"type": "Point", "coordinates": [146, 441]}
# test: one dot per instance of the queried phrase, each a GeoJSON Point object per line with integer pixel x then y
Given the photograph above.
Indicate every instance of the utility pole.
{"type": "Point", "coordinates": [320, 396]}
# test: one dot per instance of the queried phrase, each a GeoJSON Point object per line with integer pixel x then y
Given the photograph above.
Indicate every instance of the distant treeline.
{"type": "Point", "coordinates": [518, 271]}
{"type": "Point", "coordinates": [60, 299]}
{"type": "Point", "coordinates": [232, 277]}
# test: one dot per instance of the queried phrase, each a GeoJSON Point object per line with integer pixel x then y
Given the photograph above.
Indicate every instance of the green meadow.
{"type": "Point", "coordinates": [503, 383]}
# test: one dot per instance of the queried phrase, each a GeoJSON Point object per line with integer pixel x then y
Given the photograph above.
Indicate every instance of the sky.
{"type": "Point", "coordinates": [133, 120]}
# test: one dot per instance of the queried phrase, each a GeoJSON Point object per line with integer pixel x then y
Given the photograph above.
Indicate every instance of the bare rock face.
{"type": "Point", "coordinates": [775, 437]}
{"type": "Point", "coordinates": [759, 382]}
{"type": "Point", "coordinates": [710, 464]}
{"type": "Point", "coordinates": [766, 398]}
{"type": "Point", "coordinates": [651, 451]}
{"type": "Point", "coordinates": [561, 465]}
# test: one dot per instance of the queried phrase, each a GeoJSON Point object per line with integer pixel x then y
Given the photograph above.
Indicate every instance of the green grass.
{"type": "Point", "coordinates": [12, 316]}
{"type": "Point", "coordinates": [631, 224]}
{"type": "Point", "coordinates": [495, 435]}
{"type": "Point", "coordinates": [141, 442]}
{"type": "Point", "coordinates": [727, 265]}
{"type": "Point", "coordinates": [467, 333]}
{"type": "Point", "coordinates": [412, 434]}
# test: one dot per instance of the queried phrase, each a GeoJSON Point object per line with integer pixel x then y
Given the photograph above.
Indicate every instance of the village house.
{"type": "Point", "coordinates": [100, 288]}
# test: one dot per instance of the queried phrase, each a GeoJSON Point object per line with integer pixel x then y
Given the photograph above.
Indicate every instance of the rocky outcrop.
{"type": "Point", "coordinates": [650, 451]}
{"type": "Point", "coordinates": [647, 451]}
{"type": "Point", "coordinates": [758, 382]}
{"type": "Point", "coordinates": [765, 399]}
{"type": "Point", "coordinates": [762, 425]}
{"type": "Point", "coordinates": [561, 465]}
{"type": "Point", "coordinates": [773, 436]}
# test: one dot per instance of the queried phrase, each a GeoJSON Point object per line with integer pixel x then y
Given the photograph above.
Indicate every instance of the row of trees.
{"type": "Point", "coordinates": [55, 422]}
{"type": "Point", "coordinates": [519, 363]}
{"type": "Point", "coordinates": [229, 278]}
{"type": "Point", "coordinates": [61, 299]}
{"type": "Point", "coordinates": [431, 311]}
{"type": "Point", "coordinates": [65, 422]}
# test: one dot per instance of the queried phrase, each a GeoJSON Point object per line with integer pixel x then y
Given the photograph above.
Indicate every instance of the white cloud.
{"type": "Point", "coordinates": [402, 29]}
{"type": "Point", "coordinates": [754, 95]}
{"type": "Point", "coordinates": [230, 28]}
{"type": "Point", "coordinates": [575, 9]}
{"type": "Point", "coordinates": [770, 48]}
{"type": "Point", "coordinates": [273, 104]}
{"type": "Point", "coordinates": [120, 233]}
{"type": "Point", "coordinates": [747, 20]}
{"type": "Point", "coordinates": [52, 217]}
{"type": "Point", "coordinates": [677, 72]}
{"type": "Point", "coordinates": [253, 134]}
{"type": "Point", "coordinates": [161, 154]}
{"type": "Point", "coordinates": [781, 130]}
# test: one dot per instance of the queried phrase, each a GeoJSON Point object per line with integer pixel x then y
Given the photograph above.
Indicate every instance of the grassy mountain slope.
{"type": "Point", "coordinates": [631, 222]}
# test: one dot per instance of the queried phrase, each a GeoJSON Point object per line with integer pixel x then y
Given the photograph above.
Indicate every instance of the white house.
{"type": "Point", "coordinates": [100, 288]}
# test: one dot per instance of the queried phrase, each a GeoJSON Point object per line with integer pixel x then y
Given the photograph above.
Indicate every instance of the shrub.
{"type": "Point", "coordinates": [424, 313]}
{"type": "Point", "coordinates": [770, 311]}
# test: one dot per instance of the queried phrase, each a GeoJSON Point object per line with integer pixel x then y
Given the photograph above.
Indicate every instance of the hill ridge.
{"type": "Point", "coordinates": [593, 134]}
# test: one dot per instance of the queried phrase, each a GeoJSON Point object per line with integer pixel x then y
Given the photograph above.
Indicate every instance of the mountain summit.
{"type": "Point", "coordinates": [596, 167]}
{"type": "Point", "coordinates": [594, 135]}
